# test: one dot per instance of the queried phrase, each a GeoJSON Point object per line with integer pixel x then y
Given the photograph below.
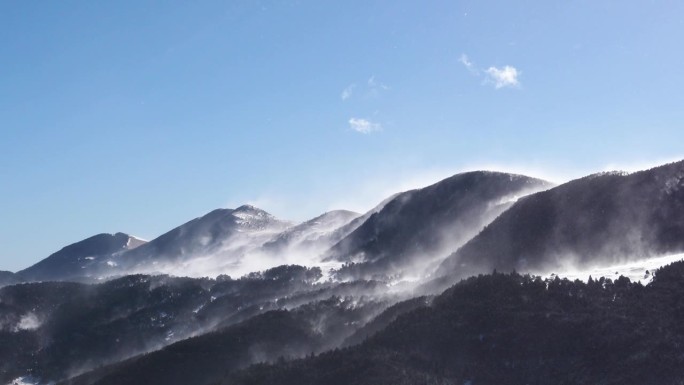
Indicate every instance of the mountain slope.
{"type": "Point", "coordinates": [347, 229]}
{"type": "Point", "coordinates": [276, 334]}
{"type": "Point", "coordinates": [75, 260]}
{"type": "Point", "coordinates": [417, 226]}
{"type": "Point", "coordinates": [50, 329]}
{"type": "Point", "coordinates": [312, 234]}
{"type": "Point", "coordinates": [600, 219]}
{"type": "Point", "coordinates": [214, 243]}
{"type": "Point", "coordinates": [204, 359]}
{"type": "Point", "coordinates": [8, 278]}
{"type": "Point", "coordinates": [513, 329]}
{"type": "Point", "coordinates": [53, 330]}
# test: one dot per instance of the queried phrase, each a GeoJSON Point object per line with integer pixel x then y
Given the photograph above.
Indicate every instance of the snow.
{"type": "Point", "coordinates": [199, 308]}
{"type": "Point", "coordinates": [674, 183]}
{"type": "Point", "coordinates": [27, 380]}
{"type": "Point", "coordinates": [28, 321]}
{"type": "Point", "coordinates": [134, 242]}
{"type": "Point", "coordinates": [250, 218]}
{"type": "Point", "coordinates": [635, 271]}
{"type": "Point", "coordinates": [111, 264]}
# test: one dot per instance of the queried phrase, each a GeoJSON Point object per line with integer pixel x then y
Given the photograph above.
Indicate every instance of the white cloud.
{"type": "Point", "coordinates": [347, 92]}
{"type": "Point", "coordinates": [502, 77]}
{"type": "Point", "coordinates": [506, 76]}
{"type": "Point", "coordinates": [364, 126]}
{"type": "Point", "coordinates": [467, 63]}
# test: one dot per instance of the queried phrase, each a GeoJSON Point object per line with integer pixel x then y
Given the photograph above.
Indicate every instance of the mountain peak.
{"type": "Point", "coordinates": [249, 213]}
{"type": "Point", "coordinates": [248, 208]}
{"type": "Point", "coordinates": [70, 261]}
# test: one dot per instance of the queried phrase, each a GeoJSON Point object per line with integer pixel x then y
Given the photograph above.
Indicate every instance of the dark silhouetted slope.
{"type": "Point", "coordinates": [417, 226]}
{"type": "Point", "coordinates": [8, 278]}
{"type": "Point", "coordinates": [76, 260]}
{"type": "Point", "coordinates": [264, 338]}
{"type": "Point", "coordinates": [513, 329]}
{"type": "Point", "coordinates": [599, 219]}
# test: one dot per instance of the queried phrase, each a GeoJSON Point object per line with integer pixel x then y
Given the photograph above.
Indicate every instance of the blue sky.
{"type": "Point", "coordinates": [137, 116]}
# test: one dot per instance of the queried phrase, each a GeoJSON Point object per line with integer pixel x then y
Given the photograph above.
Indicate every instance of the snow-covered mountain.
{"type": "Point", "coordinates": [224, 241]}
{"type": "Point", "coordinates": [215, 243]}
{"type": "Point", "coordinates": [135, 327]}
{"type": "Point", "coordinates": [315, 233]}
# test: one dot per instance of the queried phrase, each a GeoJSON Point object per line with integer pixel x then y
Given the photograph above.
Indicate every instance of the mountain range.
{"type": "Point", "coordinates": [450, 283]}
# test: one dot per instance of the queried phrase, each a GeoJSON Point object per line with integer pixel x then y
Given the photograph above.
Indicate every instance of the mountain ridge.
{"type": "Point", "coordinates": [601, 218]}
{"type": "Point", "coordinates": [71, 261]}
{"type": "Point", "coordinates": [423, 224]}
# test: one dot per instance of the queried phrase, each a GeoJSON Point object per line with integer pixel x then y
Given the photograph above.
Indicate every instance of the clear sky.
{"type": "Point", "coordinates": [137, 116]}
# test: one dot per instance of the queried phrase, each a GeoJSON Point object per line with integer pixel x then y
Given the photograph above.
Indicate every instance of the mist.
{"type": "Point", "coordinates": [639, 270]}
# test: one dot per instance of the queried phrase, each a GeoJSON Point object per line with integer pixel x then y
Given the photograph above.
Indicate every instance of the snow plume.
{"type": "Point", "coordinates": [237, 264]}
{"type": "Point", "coordinates": [250, 250]}
{"type": "Point", "coordinates": [26, 380]}
{"type": "Point", "coordinates": [641, 270]}
{"type": "Point", "coordinates": [28, 321]}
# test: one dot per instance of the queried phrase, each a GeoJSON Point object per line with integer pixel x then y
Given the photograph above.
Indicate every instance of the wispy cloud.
{"type": "Point", "coordinates": [467, 63]}
{"type": "Point", "coordinates": [347, 92]}
{"type": "Point", "coordinates": [364, 126]}
{"type": "Point", "coordinates": [507, 76]}
{"type": "Point", "coordinates": [374, 84]}
{"type": "Point", "coordinates": [502, 77]}
{"type": "Point", "coordinates": [370, 89]}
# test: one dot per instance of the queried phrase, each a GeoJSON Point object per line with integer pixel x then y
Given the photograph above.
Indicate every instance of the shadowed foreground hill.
{"type": "Point", "coordinates": [514, 329]}
{"type": "Point", "coordinates": [204, 359]}
{"type": "Point", "coordinates": [597, 220]}
{"type": "Point", "coordinates": [267, 337]}
{"type": "Point", "coordinates": [55, 330]}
